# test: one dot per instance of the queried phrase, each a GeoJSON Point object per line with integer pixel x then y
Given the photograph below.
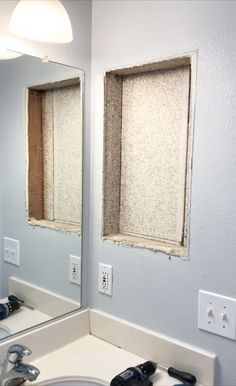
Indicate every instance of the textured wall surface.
{"type": "Point", "coordinates": [154, 151]}
{"type": "Point", "coordinates": [149, 289]}
{"type": "Point", "coordinates": [62, 154]}
{"type": "Point", "coordinates": [48, 155]}
{"type": "Point", "coordinates": [67, 154]}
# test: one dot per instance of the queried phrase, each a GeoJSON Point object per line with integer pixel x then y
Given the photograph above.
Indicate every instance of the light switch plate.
{"type": "Point", "coordinates": [11, 251]}
{"type": "Point", "coordinates": [217, 314]}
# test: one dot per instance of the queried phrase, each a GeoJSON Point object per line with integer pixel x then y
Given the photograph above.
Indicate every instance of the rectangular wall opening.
{"type": "Point", "coordinates": [55, 155]}
{"type": "Point", "coordinates": [147, 146]}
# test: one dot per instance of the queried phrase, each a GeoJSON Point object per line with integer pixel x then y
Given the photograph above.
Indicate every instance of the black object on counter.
{"type": "Point", "coordinates": [183, 384]}
{"type": "Point", "coordinates": [135, 375]}
{"type": "Point", "coordinates": [183, 376]}
{"type": "Point", "coordinates": [145, 382]}
{"type": "Point", "coordinates": [14, 304]}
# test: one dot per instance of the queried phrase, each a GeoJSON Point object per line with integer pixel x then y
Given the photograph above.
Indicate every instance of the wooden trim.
{"type": "Point", "coordinates": [35, 149]}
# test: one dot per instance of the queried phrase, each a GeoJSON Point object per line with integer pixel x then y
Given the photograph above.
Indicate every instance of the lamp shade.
{"type": "Point", "coordinates": [41, 20]}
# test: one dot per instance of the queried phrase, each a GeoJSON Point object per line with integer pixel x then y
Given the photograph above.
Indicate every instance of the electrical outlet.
{"type": "Point", "coordinates": [105, 279]}
{"type": "Point", "coordinates": [217, 314]}
{"type": "Point", "coordinates": [11, 249]}
{"type": "Point", "coordinates": [75, 269]}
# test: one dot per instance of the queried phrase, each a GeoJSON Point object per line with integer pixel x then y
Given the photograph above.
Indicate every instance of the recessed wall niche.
{"type": "Point", "coordinates": [55, 155]}
{"type": "Point", "coordinates": [147, 155]}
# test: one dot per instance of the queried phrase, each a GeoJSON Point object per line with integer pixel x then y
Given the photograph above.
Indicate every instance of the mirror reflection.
{"type": "Point", "coordinates": [40, 191]}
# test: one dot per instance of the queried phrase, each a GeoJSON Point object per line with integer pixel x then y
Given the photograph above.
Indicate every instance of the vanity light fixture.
{"type": "Point", "coordinates": [41, 20]}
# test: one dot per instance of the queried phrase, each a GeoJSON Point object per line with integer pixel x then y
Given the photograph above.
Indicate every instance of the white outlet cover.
{"type": "Point", "coordinates": [11, 251]}
{"type": "Point", "coordinates": [217, 314]}
{"type": "Point", "coordinates": [75, 262]}
{"type": "Point", "coordinates": [107, 270]}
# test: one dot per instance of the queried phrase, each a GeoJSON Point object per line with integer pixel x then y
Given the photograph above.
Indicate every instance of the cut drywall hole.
{"type": "Point", "coordinates": [147, 155]}
{"type": "Point", "coordinates": [55, 155]}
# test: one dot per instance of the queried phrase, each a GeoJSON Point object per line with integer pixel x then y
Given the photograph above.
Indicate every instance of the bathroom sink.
{"type": "Point", "coordinates": [73, 381]}
{"type": "Point", "coordinates": [4, 331]}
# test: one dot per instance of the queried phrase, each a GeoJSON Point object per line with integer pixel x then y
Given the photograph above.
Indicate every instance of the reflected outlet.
{"type": "Point", "coordinates": [11, 249]}
{"type": "Point", "coordinates": [75, 269]}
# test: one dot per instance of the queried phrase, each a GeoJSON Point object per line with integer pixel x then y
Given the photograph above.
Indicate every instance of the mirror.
{"type": "Point", "coordinates": [40, 174]}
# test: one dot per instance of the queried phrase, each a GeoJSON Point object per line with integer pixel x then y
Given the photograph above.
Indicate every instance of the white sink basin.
{"type": "Point", "coordinates": [73, 381]}
{"type": "Point", "coordinates": [4, 331]}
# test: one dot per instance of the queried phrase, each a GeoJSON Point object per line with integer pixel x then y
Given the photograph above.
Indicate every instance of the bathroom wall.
{"type": "Point", "coordinates": [148, 288]}
{"type": "Point", "coordinates": [56, 246]}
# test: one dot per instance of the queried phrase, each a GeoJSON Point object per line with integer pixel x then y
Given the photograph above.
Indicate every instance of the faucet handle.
{"type": "Point", "coordinates": [19, 351]}
{"type": "Point", "coordinates": [27, 371]}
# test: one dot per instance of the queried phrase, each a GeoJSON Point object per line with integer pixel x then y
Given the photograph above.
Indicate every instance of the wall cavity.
{"type": "Point", "coordinates": [146, 155]}
{"type": "Point", "coordinates": [55, 155]}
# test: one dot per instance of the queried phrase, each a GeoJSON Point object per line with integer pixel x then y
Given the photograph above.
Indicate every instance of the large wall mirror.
{"type": "Point", "coordinates": [41, 191]}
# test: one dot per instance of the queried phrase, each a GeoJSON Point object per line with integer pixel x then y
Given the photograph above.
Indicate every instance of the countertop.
{"type": "Point", "coordinates": [92, 357]}
{"type": "Point", "coordinates": [23, 319]}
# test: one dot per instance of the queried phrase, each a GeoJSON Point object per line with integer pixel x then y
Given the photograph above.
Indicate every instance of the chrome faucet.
{"type": "Point", "coordinates": [19, 372]}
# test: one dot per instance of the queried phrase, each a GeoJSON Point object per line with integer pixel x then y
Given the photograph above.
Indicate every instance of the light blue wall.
{"type": "Point", "coordinates": [149, 289]}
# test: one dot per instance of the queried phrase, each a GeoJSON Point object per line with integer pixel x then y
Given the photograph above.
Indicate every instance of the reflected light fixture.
{"type": "Point", "coordinates": [41, 20]}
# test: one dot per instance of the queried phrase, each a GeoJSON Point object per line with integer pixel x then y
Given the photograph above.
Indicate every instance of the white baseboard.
{"type": "Point", "coordinates": [40, 299]}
